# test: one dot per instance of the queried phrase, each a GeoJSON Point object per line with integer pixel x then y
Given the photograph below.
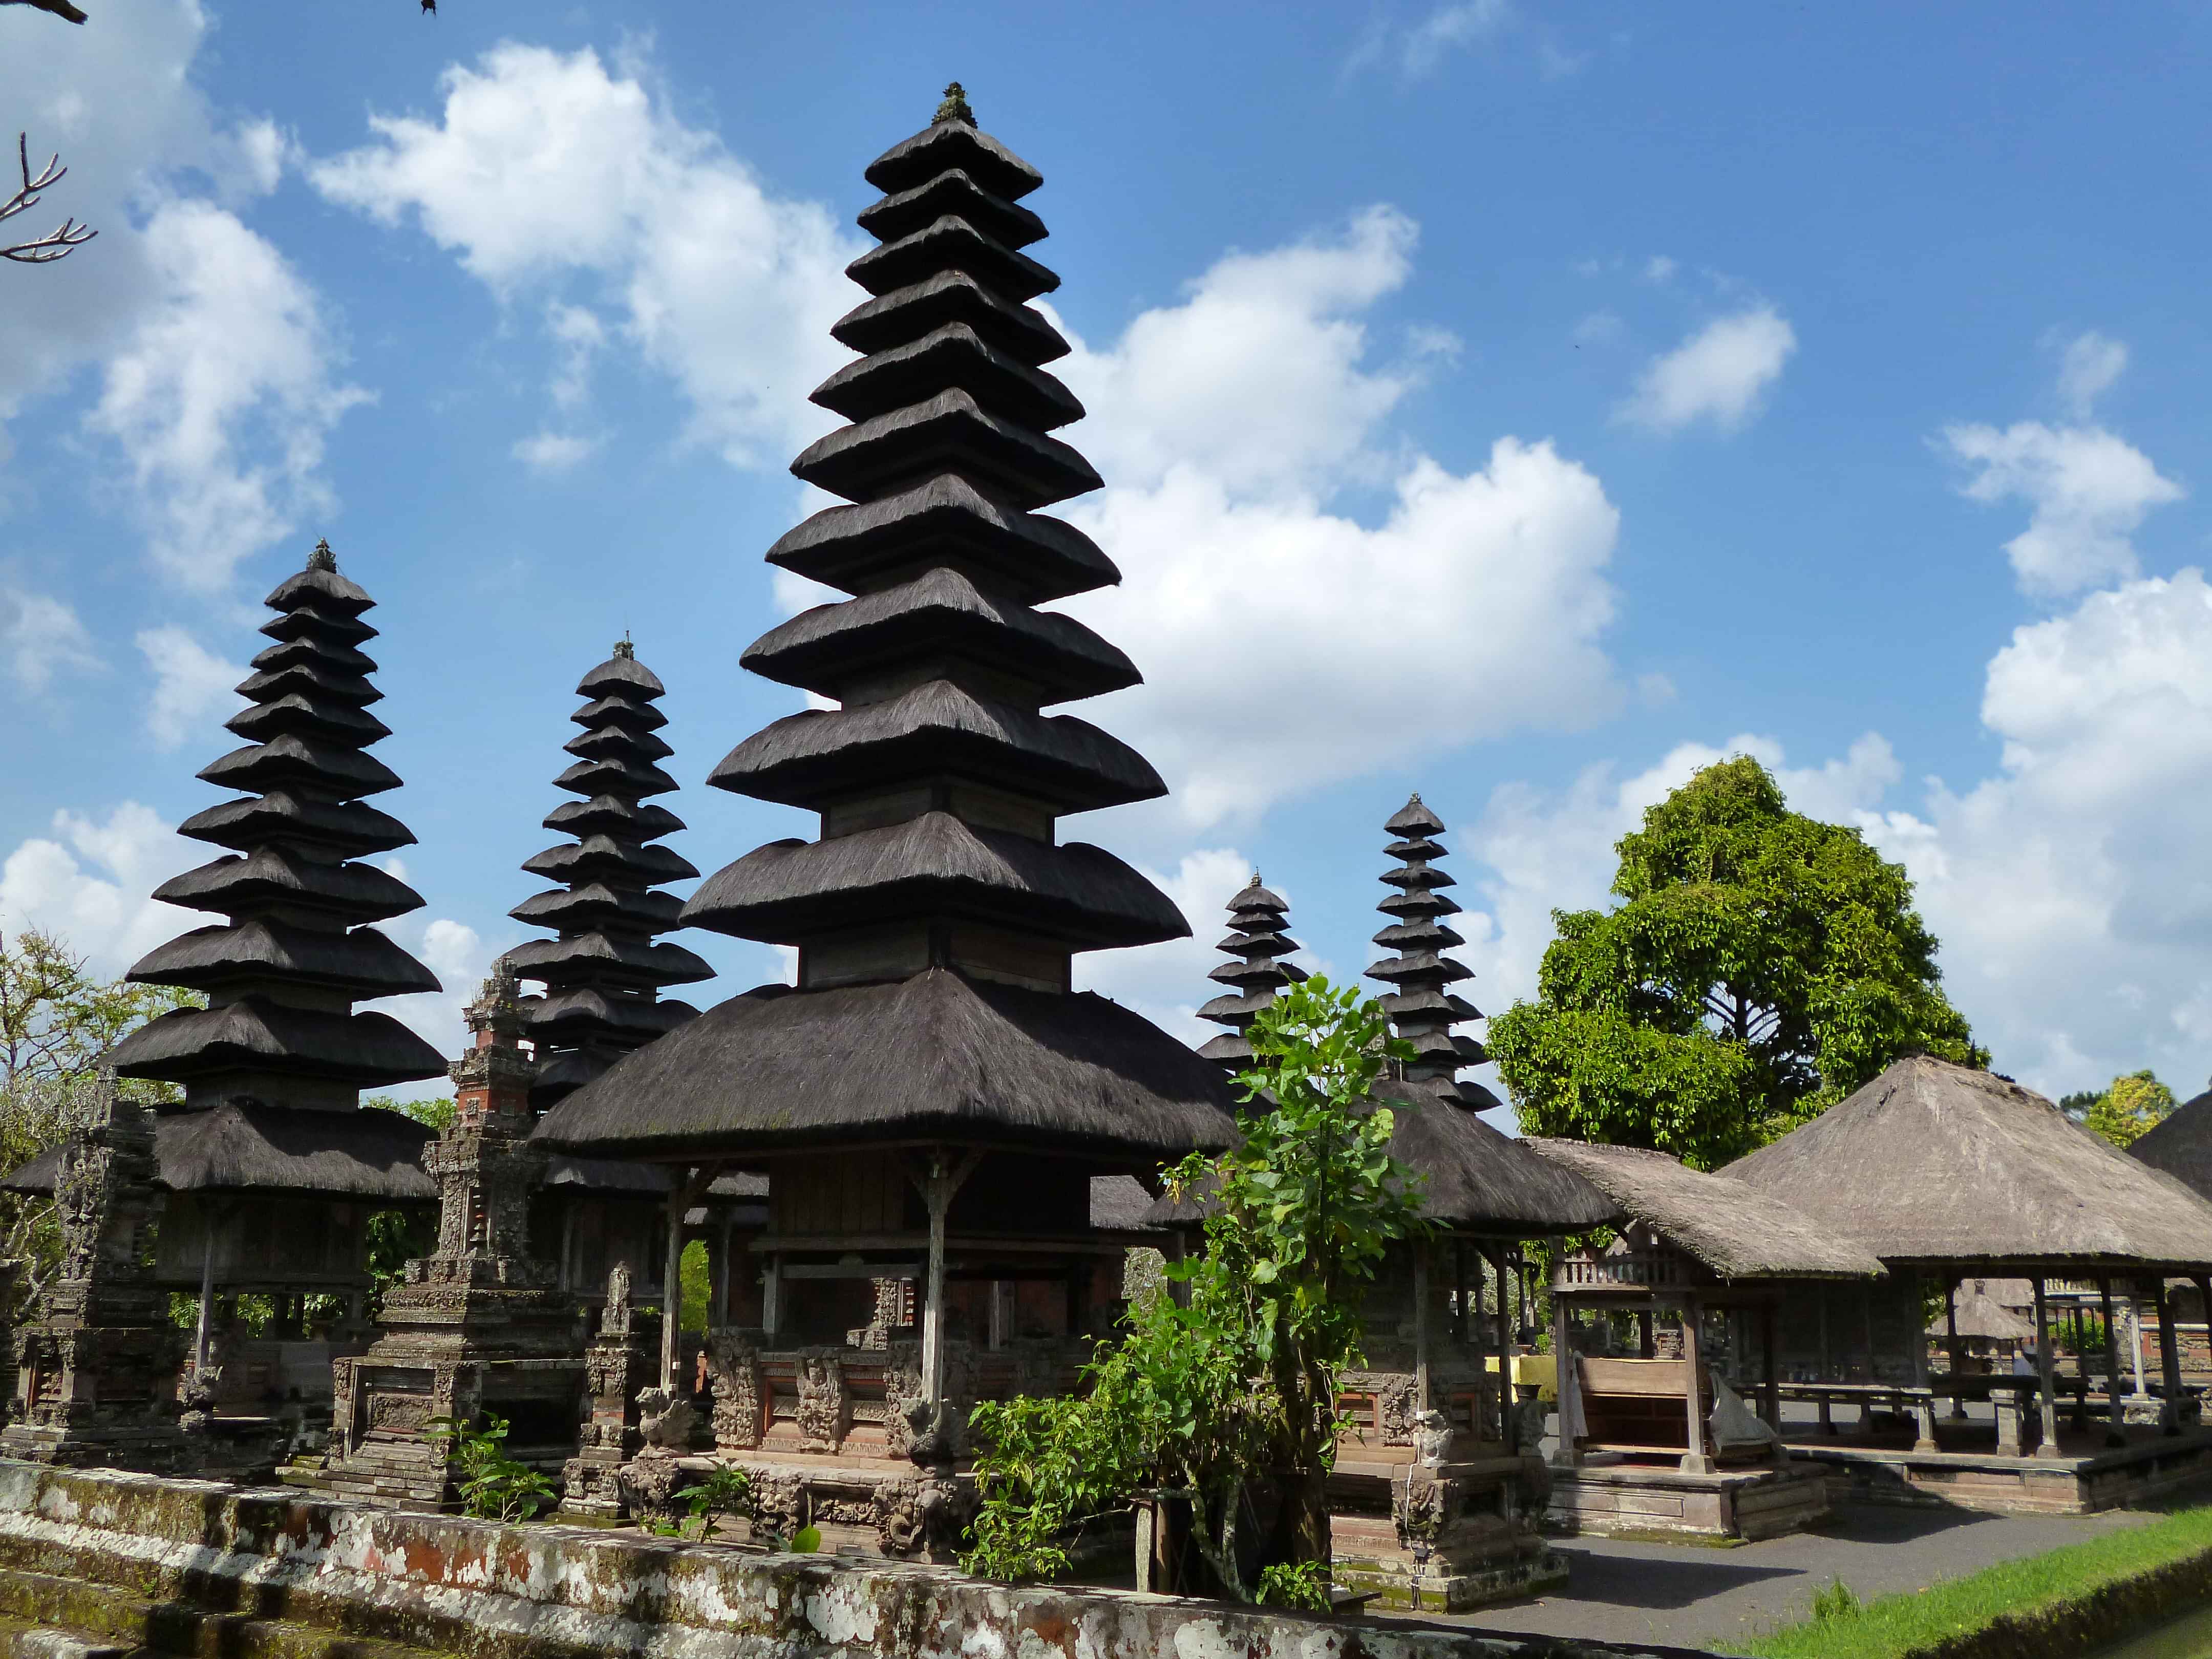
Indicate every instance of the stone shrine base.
{"type": "Point", "coordinates": [1616, 1497]}
{"type": "Point", "coordinates": [133, 1562]}
{"type": "Point", "coordinates": [2087, 1477]}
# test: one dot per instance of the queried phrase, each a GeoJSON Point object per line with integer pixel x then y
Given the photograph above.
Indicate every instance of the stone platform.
{"type": "Point", "coordinates": [1618, 1497]}
{"type": "Point", "coordinates": [2086, 1477]}
{"type": "Point", "coordinates": [174, 1568]}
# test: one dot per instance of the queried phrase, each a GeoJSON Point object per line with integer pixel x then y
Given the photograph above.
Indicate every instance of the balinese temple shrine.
{"type": "Point", "coordinates": [933, 1099]}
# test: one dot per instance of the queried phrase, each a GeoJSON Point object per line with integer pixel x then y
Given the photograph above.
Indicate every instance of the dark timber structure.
{"type": "Point", "coordinates": [270, 1169]}
{"type": "Point", "coordinates": [1258, 947]}
{"type": "Point", "coordinates": [933, 1098]}
{"type": "Point", "coordinates": [1439, 1487]}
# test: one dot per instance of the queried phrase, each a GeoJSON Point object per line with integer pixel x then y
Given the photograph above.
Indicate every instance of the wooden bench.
{"type": "Point", "coordinates": [1640, 1408]}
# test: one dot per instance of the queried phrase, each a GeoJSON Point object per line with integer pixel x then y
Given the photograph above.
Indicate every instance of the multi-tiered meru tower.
{"type": "Point", "coordinates": [933, 1045]}
{"type": "Point", "coordinates": [1422, 1009]}
{"type": "Point", "coordinates": [603, 974]}
{"type": "Point", "coordinates": [1259, 949]}
{"type": "Point", "coordinates": [271, 1170]}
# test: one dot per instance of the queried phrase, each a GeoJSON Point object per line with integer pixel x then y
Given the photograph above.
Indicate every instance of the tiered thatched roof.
{"type": "Point", "coordinates": [1940, 1164]}
{"type": "Point", "coordinates": [1737, 1231]}
{"type": "Point", "coordinates": [237, 1148]}
{"type": "Point", "coordinates": [281, 977]}
{"type": "Point", "coordinates": [1982, 1315]}
{"type": "Point", "coordinates": [936, 911]}
{"type": "Point", "coordinates": [603, 975]}
{"type": "Point", "coordinates": [1259, 948]}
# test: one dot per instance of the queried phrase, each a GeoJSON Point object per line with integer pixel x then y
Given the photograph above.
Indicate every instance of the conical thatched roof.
{"type": "Point", "coordinates": [1736, 1230]}
{"type": "Point", "coordinates": [1982, 1318]}
{"type": "Point", "coordinates": [2181, 1145]}
{"type": "Point", "coordinates": [274, 1151]}
{"type": "Point", "coordinates": [1939, 1163]}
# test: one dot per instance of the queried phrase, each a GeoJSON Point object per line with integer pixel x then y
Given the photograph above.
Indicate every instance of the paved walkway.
{"type": "Point", "coordinates": [1697, 1596]}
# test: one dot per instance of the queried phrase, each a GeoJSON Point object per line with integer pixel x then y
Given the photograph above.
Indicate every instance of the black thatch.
{"type": "Point", "coordinates": [1737, 1231]}
{"type": "Point", "coordinates": [1937, 1164]}
{"type": "Point", "coordinates": [603, 974]}
{"type": "Point", "coordinates": [1422, 1011]}
{"type": "Point", "coordinates": [1476, 1180]}
{"type": "Point", "coordinates": [1258, 947]}
{"type": "Point", "coordinates": [294, 905]}
{"type": "Point", "coordinates": [245, 1147]}
{"type": "Point", "coordinates": [936, 1058]}
{"type": "Point", "coordinates": [1120, 1204]}
{"type": "Point", "coordinates": [2181, 1145]}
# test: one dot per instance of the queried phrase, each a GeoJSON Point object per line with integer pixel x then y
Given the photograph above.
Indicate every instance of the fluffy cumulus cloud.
{"type": "Point", "coordinates": [1233, 425]}
{"type": "Point", "coordinates": [191, 685]}
{"type": "Point", "coordinates": [2088, 368]}
{"type": "Point", "coordinates": [40, 636]}
{"type": "Point", "coordinates": [2070, 888]}
{"type": "Point", "coordinates": [1720, 373]}
{"type": "Point", "coordinates": [220, 373]}
{"type": "Point", "coordinates": [546, 169]}
{"type": "Point", "coordinates": [2087, 489]}
{"type": "Point", "coordinates": [88, 882]}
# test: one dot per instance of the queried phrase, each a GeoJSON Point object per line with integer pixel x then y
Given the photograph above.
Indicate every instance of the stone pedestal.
{"type": "Point", "coordinates": [96, 1363]}
{"type": "Point", "coordinates": [478, 1328]}
{"type": "Point", "coordinates": [617, 1368]}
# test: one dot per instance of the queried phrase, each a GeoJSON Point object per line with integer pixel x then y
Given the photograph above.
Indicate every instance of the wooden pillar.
{"type": "Point", "coordinates": [2133, 1308]}
{"type": "Point", "coordinates": [567, 1278]}
{"type": "Point", "coordinates": [1422, 1396]}
{"type": "Point", "coordinates": [672, 1279]}
{"type": "Point", "coordinates": [207, 1289]}
{"type": "Point", "coordinates": [1770, 1347]}
{"type": "Point", "coordinates": [772, 1297]}
{"type": "Point", "coordinates": [2047, 1374]}
{"type": "Point", "coordinates": [1567, 1379]}
{"type": "Point", "coordinates": [1866, 1308]}
{"type": "Point", "coordinates": [1460, 1324]}
{"type": "Point", "coordinates": [944, 1180]}
{"type": "Point", "coordinates": [1826, 1369]}
{"type": "Point", "coordinates": [1504, 1359]}
{"type": "Point", "coordinates": [2116, 1423]}
{"type": "Point", "coordinates": [1694, 1461]}
{"type": "Point", "coordinates": [1645, 1346]}
{"type": "Point", "coordinates": [727, 1282]}
{"type": "Point", "coordinates": [1923, 1410]}
{"type": "Point", "coordinates": [2169, 1358]}
{"type": "Point", "coordinates": [1951, 1345]}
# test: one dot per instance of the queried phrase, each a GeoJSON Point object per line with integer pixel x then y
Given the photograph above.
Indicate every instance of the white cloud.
{"type": "Point", "coordinates": [191, 685]}
{"type": "Point", "coordinates": [1599, 328]}
{"type": "Point", "coordinates": [2073, 888]}
{"type": "Point", "coordinates": [458, 955]}
{"type": "Point", "coordinates": [2088, 491]}
{"type": "Point", "coordinates": [41, 634]}
{"type": "Point", "coordinates": [1167, 982]}
{"type": "Point", "coordinates": [553, 451]}
{"type": "Point", "coordinates": [89, 884]}
{"type": "Point", "coordinates": [2087, 368]}
{"type": "Point", "coordinates": [1448, 28]}
{"type": "Point", "coordinates": [1226, 425]}
{"type": "Point", "coordinates": [545, 166]}
{"type": "Point", "coordinates": [1659, 269]}
{"type": "Point", "coordinates": [1718, 374]}
{"type": "Point", "coordinates": [222, 395]}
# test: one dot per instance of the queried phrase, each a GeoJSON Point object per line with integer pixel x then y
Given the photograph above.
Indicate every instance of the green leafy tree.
{"type": "Point", "coordinates": [1760, 967]}
{"type": "Point", "coordinates": [2132, 1103]}
{"type": "Point", "coordinates": [1234, 1384]}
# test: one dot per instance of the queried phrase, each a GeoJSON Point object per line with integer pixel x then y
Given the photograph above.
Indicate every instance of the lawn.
{"type": "Point", "coordinates": [1887, 1628]}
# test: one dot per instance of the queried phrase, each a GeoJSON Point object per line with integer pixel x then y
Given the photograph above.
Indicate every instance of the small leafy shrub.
{"type": "Point", "coordinates": [493, 1486]}
{"type": "Point", "coordinates": [725, 1491]}
{"type": "Point", "coordinates": [1298, 1584]}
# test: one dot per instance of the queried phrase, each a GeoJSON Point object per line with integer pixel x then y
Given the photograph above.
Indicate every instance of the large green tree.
{"type": "Point", "coordinates": [1760, 966]}
{"type": "Point", "coordinates": [2131, 1103]}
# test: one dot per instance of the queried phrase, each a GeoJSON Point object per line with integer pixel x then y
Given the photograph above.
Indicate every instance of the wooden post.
{"type": "Point", "coordinates": [1694, 1461]}
{"type": "Point", "coordinates": [772, 1297]}
{"type": "Point", "coordinates": [944, 1180]}
{"type": "Point", "coordinates": [567, 1277]}
{"type": "Point", "coordinates": [1826, 1368]}
{"type": "Point", "coordinates": [1567, 1380]}
{"type": "Point", "coordinates": [2133, 1308]}
{"type": "Point", "coordinates": [1460, 1324]}
{"type": "Point", "coordinates": [672, 1279]}
{"type": "Point", "coordinates": [1421, 1391]}
{"type": "Point", "coordinates": [728, 1280]}
{"type": "Point", "coordinates": [1923, 1408]}
{"type": "Point", "coordinates": [2169, 1358]}
{"type": "Point", "coordinates": [1951, 1345]}
{"type": "Point", "coordinates": [207, 1288]}
{"type": "Point", "coordinates": [2116, 1421]}
{"type": "Point", "coordinates": [1645, 1346]}
{"type": "Point", "coordinates": [1770, 1323]}
{"type": "Point", "coordinates": [1866, 1308]}
{"type": "Point", "coordinates": [2047, 1374]}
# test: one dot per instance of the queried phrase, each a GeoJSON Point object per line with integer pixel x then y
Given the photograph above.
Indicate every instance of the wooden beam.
{"type": "Point", "coordinates": [1694, 1461]}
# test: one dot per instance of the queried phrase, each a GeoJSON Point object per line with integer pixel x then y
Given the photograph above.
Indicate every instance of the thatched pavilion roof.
{"type": "Point", "coordinates": [1983, 1315]}
{"type": "Point", "coordinates": [2181, 1145]}
{"type": "Point", "coordinates": [939, 1058]}
{"type": "Point", "coordinates": [1937, 1163]}
{"type": "Point", "coordinates": [1736, 1230]}
{"type": "Point", "coordinates": [274, 1151]}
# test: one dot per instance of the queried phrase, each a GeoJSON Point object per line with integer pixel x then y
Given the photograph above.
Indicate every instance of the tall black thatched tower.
{"type": "Point", "coordinates": [297, 951]}
{"type": "Point", "coordinates": [1258, 947]}
{"type": "Point", "coordinates": [603, 974]}
{"type": "Point", "coordinates": [1422, 1010]}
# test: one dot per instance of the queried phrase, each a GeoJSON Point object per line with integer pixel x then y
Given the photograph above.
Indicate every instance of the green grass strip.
{"type": "Point", "coordinates": [1892, 1627]}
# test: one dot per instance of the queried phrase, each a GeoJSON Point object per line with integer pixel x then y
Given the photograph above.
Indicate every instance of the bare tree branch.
{"type": "Point", "coordinates": [61, 8]}
{"type": "Point", "coordinates": [55, 243]}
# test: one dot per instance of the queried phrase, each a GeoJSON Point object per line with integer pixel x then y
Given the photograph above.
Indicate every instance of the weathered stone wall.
{"type": "Point", "coordinates": [542, 1592]}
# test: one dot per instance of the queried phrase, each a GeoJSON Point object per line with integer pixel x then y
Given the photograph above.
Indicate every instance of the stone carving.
{"type": "Point", "coordinates": [665, 1420]}
{"type": "Point", "coordinates": [735, 1368]}
{"type": "Point", "coordinates": [197, 1396]}
{"type": "Point", "coordinates": [820, 1414]}
{"type": "Point", "coordinates": [780, 1504]}
{"type": "Point", "coordinates": [1396, 1404]}
{"type": "Point", "coordinates": [1431, 1438]}
{"type": "Point", "coordinates": [925, 1517]}
{"type": "Point", "coordinates": [615, 1365]}
{"type": "Point", "coordinates": [650, 1481]}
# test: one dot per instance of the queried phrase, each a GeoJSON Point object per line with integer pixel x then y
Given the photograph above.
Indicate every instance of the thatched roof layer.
{"type": "Point", "coordinates": [1475, 1179]}
{"type": "Point", "coordinates": [254, 1035]}
{"type": "Point", "coordinates": [1422, 1012]}
{"type": "Point", "coordinates": [1932, 1163]}
{"type": "Point", "coordinates": [246, 1148]}
{"type": "Point", "coordinates": [1736, 1230]}
{"type": "Point", "coordinates": [1259, 940]}
{"type": "Point", "coordinates": [935, 1058]}
{"type": "Point", "coordinates": [948, 522]}
{"type": "Point", "coordinates": [604, 972]}
{"type": "Point", "coordinates": [1982, 1315]}
{"type": "Point", "coordinates": [954, 190]}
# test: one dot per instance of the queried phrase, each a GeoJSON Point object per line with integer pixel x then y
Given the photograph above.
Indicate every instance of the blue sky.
{"type": "Point", "coordinates": [1519, 404]}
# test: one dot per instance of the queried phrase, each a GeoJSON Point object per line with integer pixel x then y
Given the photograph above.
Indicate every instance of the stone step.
{"type": "Point", "coordinates": [48, 1616]}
